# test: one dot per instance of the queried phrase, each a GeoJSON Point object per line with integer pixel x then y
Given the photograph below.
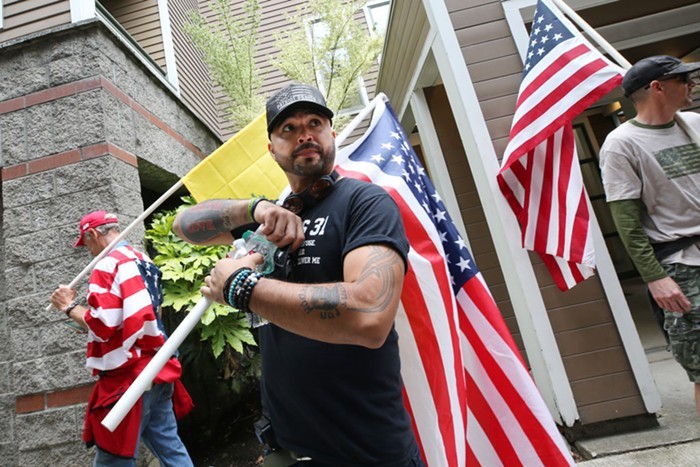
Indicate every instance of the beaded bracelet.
{"type": "Point", "coordinates": [227, 284]}
{"type": "Point", "coordinates": [235, 285]}
{"type": "Point", "coordinates": [244, 291]}
{"type": "Point", "coordinates": [252, 204]}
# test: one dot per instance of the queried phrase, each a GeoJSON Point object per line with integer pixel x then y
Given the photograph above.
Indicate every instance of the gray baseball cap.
{"type": "Point", "coordinates": [648, 69]}
{"type": "Point", "coordinates": [291, 97]}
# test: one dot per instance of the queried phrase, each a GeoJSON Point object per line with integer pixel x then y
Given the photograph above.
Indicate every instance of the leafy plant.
{"type": "Point", "coordinates": [184, 267]}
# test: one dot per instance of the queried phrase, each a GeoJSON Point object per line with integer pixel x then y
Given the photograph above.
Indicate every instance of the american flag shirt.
{"type": "Point", "coordinates": [124, 295]}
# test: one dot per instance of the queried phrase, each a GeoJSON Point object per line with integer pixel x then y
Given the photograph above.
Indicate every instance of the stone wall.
{"type": "Point", "coordinates": [78, 114]}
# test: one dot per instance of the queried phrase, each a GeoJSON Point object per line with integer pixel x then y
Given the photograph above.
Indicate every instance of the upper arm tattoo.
{"type": "Point", "coordinates": [329, 301]}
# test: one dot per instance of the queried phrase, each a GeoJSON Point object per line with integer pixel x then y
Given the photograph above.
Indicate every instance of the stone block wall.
{"type": "Point", "coordinates": [78, 114]}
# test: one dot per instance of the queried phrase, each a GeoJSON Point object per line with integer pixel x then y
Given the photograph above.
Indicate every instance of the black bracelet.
{"type": "Point", "coordinates": [238, 279]}
{"type": "Point", "coordinates": [227, 284]}
{"type": "Point", "coordinates": [253, 205]}
{"type": "Point", "coordinates": [244, 291]}
{"type": "Point", "coordinates": [70, 307]}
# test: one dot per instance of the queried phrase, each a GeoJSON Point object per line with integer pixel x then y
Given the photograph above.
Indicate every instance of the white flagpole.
{"type": "Point", "coordinates": [622, 61]}
{"type": "Point", "coordinates": [144, 380]}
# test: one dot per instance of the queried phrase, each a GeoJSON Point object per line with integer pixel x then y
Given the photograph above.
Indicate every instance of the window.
{"type": "Point", "coordinates": [377, 14]}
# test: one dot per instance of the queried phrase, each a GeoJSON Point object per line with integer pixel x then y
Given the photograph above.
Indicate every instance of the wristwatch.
{"type": "Point", "coordinates": [70, 307]}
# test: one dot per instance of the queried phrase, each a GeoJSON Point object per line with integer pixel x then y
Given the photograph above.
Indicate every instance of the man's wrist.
{"type": "Point", "coordinates": [70, 307]}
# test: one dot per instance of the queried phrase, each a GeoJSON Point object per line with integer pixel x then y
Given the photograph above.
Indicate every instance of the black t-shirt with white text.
{"type": "Point", "coordinates": [341, 405]}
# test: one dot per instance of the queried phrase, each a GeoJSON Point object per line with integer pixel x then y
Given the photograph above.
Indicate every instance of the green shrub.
{"type": "Point", "coordinates": [184, 267]}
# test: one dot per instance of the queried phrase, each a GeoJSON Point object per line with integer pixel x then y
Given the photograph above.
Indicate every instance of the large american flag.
{"type": "Point", "coordinates": [466, 387]}
{"type": "Point", "coordinates": [540, 175]}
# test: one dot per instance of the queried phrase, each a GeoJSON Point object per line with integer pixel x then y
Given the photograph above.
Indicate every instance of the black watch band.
{"type": "Point", "coordinates": [70, 307]}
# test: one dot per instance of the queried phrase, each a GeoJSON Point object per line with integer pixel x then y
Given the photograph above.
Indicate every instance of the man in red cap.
{"type": "Point", "coordinates": [124, 333]}
{"type": "Point", "coordinates": [651, 175]}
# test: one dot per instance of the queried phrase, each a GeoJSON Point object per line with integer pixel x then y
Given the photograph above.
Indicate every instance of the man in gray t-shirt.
{"type": "Point", "coordinates": [651, 175]}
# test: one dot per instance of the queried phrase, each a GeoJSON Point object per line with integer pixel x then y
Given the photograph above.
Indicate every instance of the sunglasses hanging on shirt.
{"type": "Point", "coordinates": [319, 189]}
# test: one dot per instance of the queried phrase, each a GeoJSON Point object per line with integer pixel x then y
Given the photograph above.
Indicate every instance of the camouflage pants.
{"type": "Point", "coordinates": [684, 332]}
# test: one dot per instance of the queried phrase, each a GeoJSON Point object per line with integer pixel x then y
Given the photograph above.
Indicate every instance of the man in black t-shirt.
{"type": "Point", "coordinates": [331, 380]}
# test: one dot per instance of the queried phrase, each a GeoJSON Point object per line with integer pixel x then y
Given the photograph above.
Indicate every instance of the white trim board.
{"type": "Point", "coordinates": [81, 10]}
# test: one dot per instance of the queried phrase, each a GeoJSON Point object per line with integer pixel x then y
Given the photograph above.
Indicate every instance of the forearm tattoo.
{"type": "Point", "coordinates": [205, 222]}
{"type": "Point", "coordinates": [327, 301]}
{"type": "Point", "coordinates": [330, 301]}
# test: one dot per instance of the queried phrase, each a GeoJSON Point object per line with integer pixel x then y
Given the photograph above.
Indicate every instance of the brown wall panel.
{"type": "Point", "coordinates": [24, 17]}
{"type": "Point", "coordinates": [499, 127]}
{"type": "Point", "coordinates": [617, 408]}
{"type": "Point", "coordinates": [141, 19]}
{"type": "Point", "coordinates": [496, 68]}
{"type": "Point", "coordinates": [481, 13]}
{"type": "Point", "coordinates": [196, 88]}
{"type": "Point", "coordinates": [499, 107]}
{"type": "Point", "coordinates": [589, 365]}
{"type": "Point", "coordinates": [498, 48]}
{"type": "Point", "coordinates": [503, 85]}
{"type": "Point", "coordinates": [580, 315]}
{"type": "Point", "coordinates": [617, 386]}
{"type": "Point", "coordinates": [483, 33]}
{"type": "Point", "coordinates": [589, 339]}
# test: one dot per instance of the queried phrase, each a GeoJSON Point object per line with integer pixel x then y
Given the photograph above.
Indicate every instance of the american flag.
{"type": "Point", "coordinates": [152, 279]}
{"type": "Point", "coordinates": [151, 276]}
{"type": "Point", "coordinates": [466, 387]}
{"type": "Point", "coordinates": [540, 175]}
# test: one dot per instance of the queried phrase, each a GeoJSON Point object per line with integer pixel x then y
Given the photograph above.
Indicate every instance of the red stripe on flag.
{"type": "Point", "coordinates": [566, 161]}
{"type": "Point", "coordinates": [542, 78]}
{"type": "Point", "coordinates": [540, 439]}
{"type": "Point", "coordinates": [544, 165]}
{"type": "Point", "coordinates": [486, 417]}
{"type": "Point", "coordinates": [556, 123]}
{"type": "Point", "coordinates": [580, 230]}
{"type": "Point", "coordinates": [418, 314]}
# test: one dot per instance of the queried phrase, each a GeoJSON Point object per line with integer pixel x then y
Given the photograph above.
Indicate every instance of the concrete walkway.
{"type": "Point", "coordinates": [675, 443]}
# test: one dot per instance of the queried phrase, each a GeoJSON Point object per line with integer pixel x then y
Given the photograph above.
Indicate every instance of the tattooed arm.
{"type": "Point", "coordinates": [211, 222]}
{"type": "Point", "coordinates": [360, 310]}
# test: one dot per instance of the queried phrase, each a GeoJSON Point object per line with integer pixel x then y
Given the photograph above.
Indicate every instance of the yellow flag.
{"type": "Point", "coordinates": [239, 168]}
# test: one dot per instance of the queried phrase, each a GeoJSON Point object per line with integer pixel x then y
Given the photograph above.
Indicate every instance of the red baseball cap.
{"type": "Point", "coordinates": [92, 220]}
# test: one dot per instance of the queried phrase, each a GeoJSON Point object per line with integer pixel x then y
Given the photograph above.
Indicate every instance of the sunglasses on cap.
{"type": "Point", "coordinates": [684, 78]}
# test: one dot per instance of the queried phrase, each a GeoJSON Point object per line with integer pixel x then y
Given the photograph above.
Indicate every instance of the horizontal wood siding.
{"type": "Point", "coordinates": [406, 38]}
{"type": "Point", "coordinates": [141, 20]}
{"type": "Point", "coordinates": [583, 325]}
{"type": "Point", "coordinates": [24, 17]}
{"type": "Point", "coordinates": [196, 87]}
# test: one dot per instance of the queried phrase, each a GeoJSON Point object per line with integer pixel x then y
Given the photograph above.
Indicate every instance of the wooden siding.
{"type": "Point", "coordinates": [584, 328]}
{"type": "Point", "coordinates": [141, 19]}
{"type": "Point", "coordinates": [24, 17]}
{"type": "Point", "coordinates": [196, 87]}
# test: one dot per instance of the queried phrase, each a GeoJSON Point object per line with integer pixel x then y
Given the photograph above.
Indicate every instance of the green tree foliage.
{"type": "Point", "coordinates": [228, 46]}
{"type": "Point", "coordinates": [329, 47]}
{"type": "Point", "coordinates": [184, 267]}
